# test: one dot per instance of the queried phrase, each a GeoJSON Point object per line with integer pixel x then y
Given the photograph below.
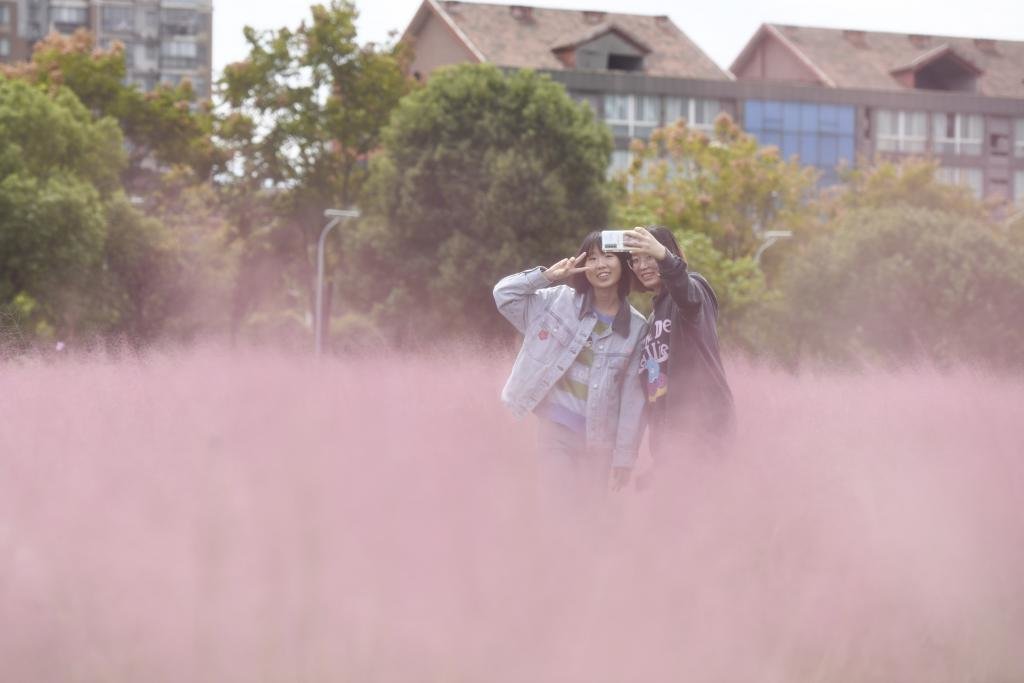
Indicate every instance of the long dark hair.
{"type": "Point", "coordinates": [665, 236]}
{"type": "Point", "coordinates": [579, 281]}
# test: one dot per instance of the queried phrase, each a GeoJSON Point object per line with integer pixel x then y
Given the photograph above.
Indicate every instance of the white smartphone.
{"type": "Point", "coordinates": [612, 240]}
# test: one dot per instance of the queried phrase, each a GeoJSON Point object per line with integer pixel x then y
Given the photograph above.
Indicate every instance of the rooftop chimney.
{"type": "Point", "coordinates": [593, 17]}
{"type": "Point", "coordinates": [919, 41]}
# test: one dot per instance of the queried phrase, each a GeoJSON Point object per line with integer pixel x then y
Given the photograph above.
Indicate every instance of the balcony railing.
{"type": "Point", "coordinates": [179, 62]}
{"type": "Point", "coordinates": [69, 26]}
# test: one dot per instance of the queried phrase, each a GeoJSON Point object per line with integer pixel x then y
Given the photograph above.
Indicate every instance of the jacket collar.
{"type": "Point", "coordinates": [622, 319]}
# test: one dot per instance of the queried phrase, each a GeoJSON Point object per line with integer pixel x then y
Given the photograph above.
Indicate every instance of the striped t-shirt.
{"type": "Point", "coordinates": [566, 403]}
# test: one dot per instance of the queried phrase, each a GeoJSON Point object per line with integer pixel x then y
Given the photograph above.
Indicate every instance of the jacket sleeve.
{"type": "Point", "coordinates": [631, 412]}
{"type": "Point", "coordinates": [521, 297]}
{"type": "Point", "coordinates": [684, 290]}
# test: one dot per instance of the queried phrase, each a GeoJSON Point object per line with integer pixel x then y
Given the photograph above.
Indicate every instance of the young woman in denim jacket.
{"type": "Point", "coordinates": [576, 367]}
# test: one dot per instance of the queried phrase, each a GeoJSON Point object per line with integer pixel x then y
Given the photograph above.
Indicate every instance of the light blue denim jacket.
{"type": "Point", "coordinates": [555, 327]}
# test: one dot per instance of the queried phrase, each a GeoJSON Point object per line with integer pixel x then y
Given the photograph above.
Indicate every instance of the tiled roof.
{"type": "Point", "coordinates": [867, 59]}
{"type": "Point", "coordinates": [527, 41]}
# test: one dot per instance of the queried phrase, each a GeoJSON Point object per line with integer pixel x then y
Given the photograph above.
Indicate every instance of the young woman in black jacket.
{"type": "Point", "coordinates": [689, 403]}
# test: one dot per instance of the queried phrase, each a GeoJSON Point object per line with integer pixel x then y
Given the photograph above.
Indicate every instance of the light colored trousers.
{"type": "Point", "coordinates": [568, 473]}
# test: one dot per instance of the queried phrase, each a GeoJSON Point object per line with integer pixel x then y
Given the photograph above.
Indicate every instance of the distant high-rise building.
{"type": "Point", "coordinates": [165, 41]}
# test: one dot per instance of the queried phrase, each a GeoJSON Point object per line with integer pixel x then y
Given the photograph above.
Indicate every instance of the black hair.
{"type": "Point", "coordinates": [579, 281]}
{"type": "Point", "coordinates": [668, 240]}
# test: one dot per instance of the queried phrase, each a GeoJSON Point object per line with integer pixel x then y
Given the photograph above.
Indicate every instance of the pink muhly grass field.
{"type": "Point", "coordinates": [247, 516]}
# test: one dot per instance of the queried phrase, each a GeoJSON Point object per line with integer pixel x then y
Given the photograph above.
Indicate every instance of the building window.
{"type": "Point", "coordinates": [625, 63]}
{"type": "Point", "coordinates": [901, 131]}
{"type": "Point", "coordinates": [69, 16]}
{"type": "Point", "coordinates": [5, 47]}
{"type": "Point", "coordinates": [199, 87]}
{"type": "Point", "coordinates": [118, 18]}
{"type": "Point", "coordinates": [5, 15]}
{"type": "Point", "coordinates": [631, 116]}
{"type": "Point", "coordinates": [820, 135]}
{"type": "Point", "coordinates": [180, 22]}
{"type": "Point", "coordinates": [698, 113]}
{"type": "Point", "coordinates": [1018, 188]}
{"type": "Point", "coordinates": [621, 160]}
{"type": "Point", "coordinates": [999, 144]}
{"type": "Point", "coordinates": [957, 134]}
{"type": "Point", "coordinates": [145, 83]}
{"type": "Point", "coordinates": [179, 54]}
{"type": "Point", "coordinates": [968, 177]}
{"type": "Point", "coordinates": [1018, 138]}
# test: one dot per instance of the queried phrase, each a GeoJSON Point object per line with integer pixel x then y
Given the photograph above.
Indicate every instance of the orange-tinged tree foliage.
{"type": "Point", "coordinates": [167, 124]}
{"type": "Point", "coordinates": [721, 184]}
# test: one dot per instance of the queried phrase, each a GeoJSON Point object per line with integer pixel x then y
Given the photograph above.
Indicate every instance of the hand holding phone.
{"type": "Point", "coordinates": [613, 241]}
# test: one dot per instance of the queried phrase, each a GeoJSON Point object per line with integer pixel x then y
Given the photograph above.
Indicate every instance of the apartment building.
{"type": "Point", "coordinates": [958, 100]}
{"type": "Point", "coordinates": [828, 97]}
{"type": "Point", "coordinates": [11, 45]}
{"type": "Point", "coordinates": [165, 40]}
{"type": "Point", "coordinates": [637, 72]}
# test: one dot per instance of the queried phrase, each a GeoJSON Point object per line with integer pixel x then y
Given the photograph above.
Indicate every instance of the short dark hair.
{"type": "Point", "coordinates": [668, 240]}
{"type": "Point", "coordinates": [579, 281]}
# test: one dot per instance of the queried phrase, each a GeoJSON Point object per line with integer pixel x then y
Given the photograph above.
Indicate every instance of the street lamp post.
{"type": "Point", "coordinates": [336, 216]}
{"type": "Point", "coordinates": [766, 216]}
{"type": "Point", "coordinates": [768, 238]}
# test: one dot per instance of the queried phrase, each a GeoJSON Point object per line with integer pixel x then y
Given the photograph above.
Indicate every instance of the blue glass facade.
{"type": "Point", "coordinates": [821, 135]}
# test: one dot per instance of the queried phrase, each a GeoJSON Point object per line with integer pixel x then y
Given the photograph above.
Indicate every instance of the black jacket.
{"type": "Point", "coordinates": [699, 402]}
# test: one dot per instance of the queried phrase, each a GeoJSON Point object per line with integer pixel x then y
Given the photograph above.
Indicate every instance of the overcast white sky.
{"type": "Point", "coordinates": [719, 27]}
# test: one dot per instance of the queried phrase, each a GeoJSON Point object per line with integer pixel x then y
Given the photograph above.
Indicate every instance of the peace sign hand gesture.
{"type": "Point", "coordinates": [566, 268]}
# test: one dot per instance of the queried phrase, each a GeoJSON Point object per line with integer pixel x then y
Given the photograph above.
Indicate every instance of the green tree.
{"type": "Point", "coordinates": [901, 267]}
{"type": "Point", "coordinates": [722, 185]}
{"type": "Point", "coordinates": [167, 125]}
{"type": "Point", "coordinates": [79, 261]}
{"type": "Point", "coordinates": [739, 285]}
{"type": "Point", "coordinates": [304, 111]}
{"type": "Point", "coordinates": [718, 192]}
{"type": "Point", "coordinates": [909, 182]}
{"type": "Point", "coordinates": [58, 170]}
{"type": "Point", "coordinates": [903, 283]}
{"type": "Point", "coordinates": [481, 174]}
{"type": "Point", "coordinates": [174, 269]}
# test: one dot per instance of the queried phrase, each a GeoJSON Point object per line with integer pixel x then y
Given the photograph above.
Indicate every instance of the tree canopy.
{"type": "Point", "coordinates": [719, 191]}
{"type": "Point", "coordinates": [303, 112]}
{"type": "Point", "coordinates": [167, 125]}
{"type": "Point", "coordinates": [481, 174]}
{"type": "Point", "coordinates": [58, 170]}
{"type": "Point", "coordinates": [904, 268]}
{"type": "Point", "coordinates": [721, 184]}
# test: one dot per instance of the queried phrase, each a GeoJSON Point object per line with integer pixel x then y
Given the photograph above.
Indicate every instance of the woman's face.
{"type": "Point", "coordinates": [646, 270]}
{"type": "Point", "coordinates": [605, 270]}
